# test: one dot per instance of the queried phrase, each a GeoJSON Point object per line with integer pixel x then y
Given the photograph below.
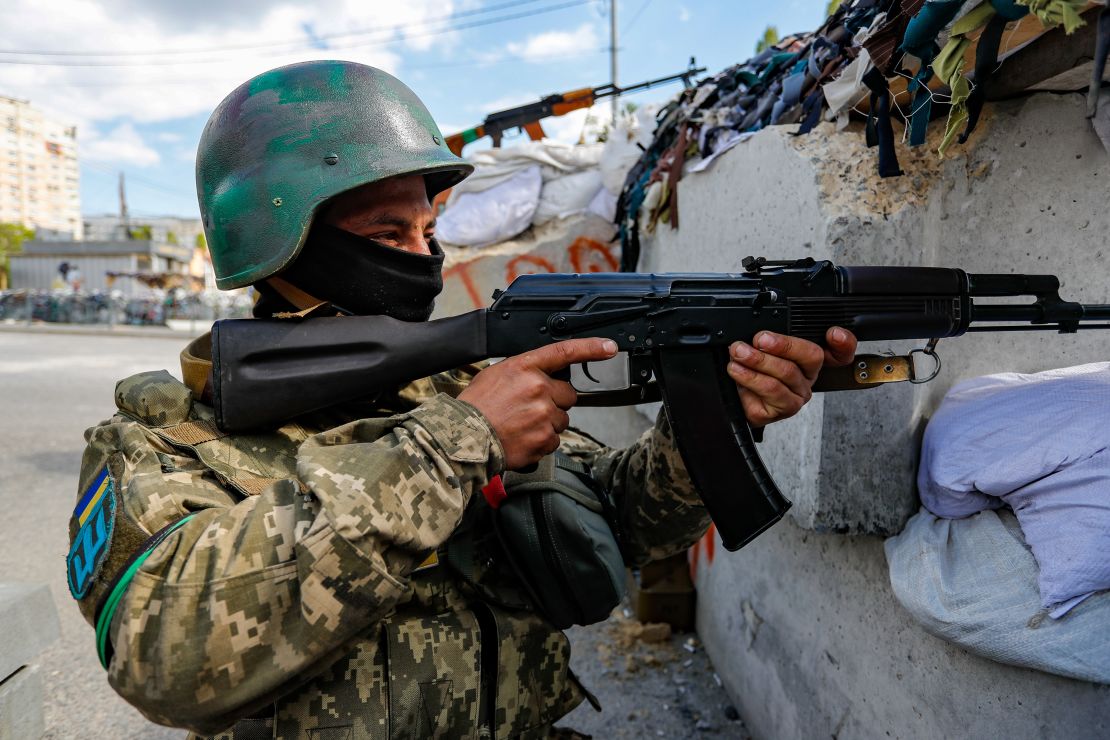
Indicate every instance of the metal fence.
{"type": "Point", "coordinates": [68, 307]}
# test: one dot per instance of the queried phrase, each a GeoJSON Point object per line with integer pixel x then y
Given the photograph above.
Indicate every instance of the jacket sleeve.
{"type": "Point", "coordinates": [248, 593]}
{"type": "Point", "coordinates": [660, 512]}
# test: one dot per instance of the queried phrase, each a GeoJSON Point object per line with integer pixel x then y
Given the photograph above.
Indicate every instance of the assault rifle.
{"type": "Point", "coordinates": [527, 117]}
{"type": "Point", "coordinates": [675, 329]}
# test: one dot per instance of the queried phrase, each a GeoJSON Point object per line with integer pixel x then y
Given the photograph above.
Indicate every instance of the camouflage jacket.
{"type": "Point", "coordinates": [287, 598]}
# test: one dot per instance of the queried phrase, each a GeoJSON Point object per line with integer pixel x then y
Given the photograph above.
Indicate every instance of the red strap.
{"type": "Point", "coordinates": [494, 491]}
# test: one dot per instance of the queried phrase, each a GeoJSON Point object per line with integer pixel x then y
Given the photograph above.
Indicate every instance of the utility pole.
{"type": "Point", "coordinates": [124, 218]}
{"type": "Point", "coordinates": [613, 59]}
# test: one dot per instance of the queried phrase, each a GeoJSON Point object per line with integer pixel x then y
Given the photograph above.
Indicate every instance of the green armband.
{"type": "Point", "coordinates": [123, 580]}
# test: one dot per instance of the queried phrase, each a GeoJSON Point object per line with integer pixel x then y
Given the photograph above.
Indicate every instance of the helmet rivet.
{"type": "Point", "coordinates": [332, 158]}
{"type": "Point", "coordinates": [436, 140]}
{"type": "Point", "coordinates": [277, 202]}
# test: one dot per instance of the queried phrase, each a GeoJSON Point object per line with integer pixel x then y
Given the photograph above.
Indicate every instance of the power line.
{"type": "Point", "coordinates": [131, 177]}
{"type": "Point", "coordinates": [636, 16]}
{"type": "Point", "coordinates": [386, 42]}
{"type": "Point", "coordinates": [406, 68]}
{"type": "Point", "coordinates": [267, 44]}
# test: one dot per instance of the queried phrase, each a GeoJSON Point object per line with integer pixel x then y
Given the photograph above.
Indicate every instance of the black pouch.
{"type": "Point", "coordinates": [555, 530]}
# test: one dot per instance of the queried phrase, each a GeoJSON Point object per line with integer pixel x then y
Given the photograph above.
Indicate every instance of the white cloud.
{"type": "Point", "coordinates": [168, 87]}
{"type": "Point", "coordinates": [167, 137]}
{"type": "Point", "coordinates": [556, 43]}
{"type": "Point", "coordinates": [122, 145]}
{"type": "Point", "coordinates": [683, 13]}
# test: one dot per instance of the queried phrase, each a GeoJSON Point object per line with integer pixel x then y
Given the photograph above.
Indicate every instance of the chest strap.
{"type": "Point", "coordinates": [193, 432]}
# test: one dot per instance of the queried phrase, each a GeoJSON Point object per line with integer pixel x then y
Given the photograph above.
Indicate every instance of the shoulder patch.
{"type": "Point", "coordinates": [95, 515]}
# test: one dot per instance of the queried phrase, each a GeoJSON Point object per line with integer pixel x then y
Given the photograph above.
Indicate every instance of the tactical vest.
{"type": "Point", "coordinates": [448, 662]}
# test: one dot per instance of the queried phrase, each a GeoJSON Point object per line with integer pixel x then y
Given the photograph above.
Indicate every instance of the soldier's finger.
{"type": "Point", "coordinates": [562, 394]}
{"type": "Point", "coordinates": [841, 348]}
{"type": "Point", "coordinates": [808, 356]}
{"type": "Point", "coordinates": [757, 414]}
{"type": "Point", "coordinates": [770, 391]}
{"type": "Point", "coordinates": [560, 420]}
{"type": "Point", "coordinates": [554, 357]}
{"type": "Point", "coordinates": [788, 372]}
{"type": "Point", "coordinates": [553, 443]}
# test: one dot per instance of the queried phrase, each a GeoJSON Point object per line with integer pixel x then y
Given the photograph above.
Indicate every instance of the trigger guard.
{"type": "Point", "coordinates": [586, 372]}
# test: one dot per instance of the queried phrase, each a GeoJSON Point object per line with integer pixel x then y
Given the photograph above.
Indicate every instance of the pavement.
{"type": "Point", "coordinates": [53, 386]}
{"type": "Point", "coordinates": [57, 382]}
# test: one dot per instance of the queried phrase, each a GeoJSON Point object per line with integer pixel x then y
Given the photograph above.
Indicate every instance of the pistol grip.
{"type": "Point", "coordinates": [717, 445]}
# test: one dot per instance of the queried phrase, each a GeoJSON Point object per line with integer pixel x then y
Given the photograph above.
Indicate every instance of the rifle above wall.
{"type": "Point", "coordinates": [527, 117]}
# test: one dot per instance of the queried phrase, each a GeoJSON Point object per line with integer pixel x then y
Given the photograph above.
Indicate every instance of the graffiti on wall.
{"type": "Point", "coordinates": [708, 545]}
{"type": "Point", "coordinates": [584, 255]}
{"type": "Point", "coordinates": [588, 255]}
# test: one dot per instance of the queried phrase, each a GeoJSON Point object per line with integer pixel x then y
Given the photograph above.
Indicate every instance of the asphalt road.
{"type": "Point", "coordinates": [54, 386]}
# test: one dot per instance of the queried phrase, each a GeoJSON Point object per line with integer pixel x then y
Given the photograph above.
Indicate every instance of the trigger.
{"type": "Point", "coordinates": [586, 372]}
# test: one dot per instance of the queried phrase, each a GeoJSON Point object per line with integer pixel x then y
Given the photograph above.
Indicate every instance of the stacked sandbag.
{"type": "Point", "coordinates": [1008, 557]}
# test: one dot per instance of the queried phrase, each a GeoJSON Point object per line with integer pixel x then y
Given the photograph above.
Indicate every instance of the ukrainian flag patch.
{"type": "Point", "coordinates": [95, 515]}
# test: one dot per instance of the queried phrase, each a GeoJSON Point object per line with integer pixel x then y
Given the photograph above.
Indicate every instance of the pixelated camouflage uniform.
{"type": "Point", "coordinates": [287, 606]}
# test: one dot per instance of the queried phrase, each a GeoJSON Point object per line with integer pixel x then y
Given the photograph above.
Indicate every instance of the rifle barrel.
{"type": "Point", "coordinates": [606, 90]}
{"type": "Point", "coordinates": [1038, 315]}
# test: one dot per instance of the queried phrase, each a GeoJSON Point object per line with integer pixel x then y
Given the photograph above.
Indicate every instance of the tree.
{"type": "Point", "coordinates": [142, 232]}
{"type": "Point", "coordinates": [202, 243]}
{"type": "Point", "coordinates": [834, 5]}
{"type": "Point", "coordinates": [12, 237]}
{"type": "Point", "coordinates": [770, 38]}
{"type": "Point", "coordinates": [171, 237]}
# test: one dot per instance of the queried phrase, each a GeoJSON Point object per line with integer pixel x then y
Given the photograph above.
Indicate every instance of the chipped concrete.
{"type": "Point", "coordinates": [1026, 194]}
{"type": "Point", "coordinates": [834, 654]}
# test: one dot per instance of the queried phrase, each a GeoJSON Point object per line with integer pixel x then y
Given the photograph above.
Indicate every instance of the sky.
{"type": "Point", "coordinates": [139, 78]}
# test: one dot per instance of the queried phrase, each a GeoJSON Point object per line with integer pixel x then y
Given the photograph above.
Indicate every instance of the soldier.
{"type": "Point", "coordinates": [306, 582]}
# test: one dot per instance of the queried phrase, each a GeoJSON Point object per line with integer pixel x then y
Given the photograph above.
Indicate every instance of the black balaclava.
{"type": "Point", "coordinates": [362, 277]}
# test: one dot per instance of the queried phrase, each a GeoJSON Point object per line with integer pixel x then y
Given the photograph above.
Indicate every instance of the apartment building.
{"type": "Point", "coordinates": [39, 177]}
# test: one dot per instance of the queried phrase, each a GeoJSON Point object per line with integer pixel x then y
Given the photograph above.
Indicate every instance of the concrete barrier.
{"type": "Point", "coordinates": [802, 625]}
{"type": "Point", "coordinates": [28, 625]}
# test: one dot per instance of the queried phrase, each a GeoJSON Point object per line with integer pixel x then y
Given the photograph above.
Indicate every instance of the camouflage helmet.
{"type": "Point", "coordinates": [289, 139]}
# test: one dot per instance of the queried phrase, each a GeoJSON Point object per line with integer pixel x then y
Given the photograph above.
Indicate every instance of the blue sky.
{"type": "Point", "coordinates": [140, 107]}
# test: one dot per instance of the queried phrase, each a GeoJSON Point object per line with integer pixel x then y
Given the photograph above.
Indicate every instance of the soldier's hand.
{"type": "Point", "coordinates": [776, 376]}
{"type": "Point", "coordinates": [526, 407]}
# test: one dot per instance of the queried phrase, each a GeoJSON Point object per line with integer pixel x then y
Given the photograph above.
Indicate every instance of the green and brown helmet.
{"type": "Point", "coordinates": [289, 139]}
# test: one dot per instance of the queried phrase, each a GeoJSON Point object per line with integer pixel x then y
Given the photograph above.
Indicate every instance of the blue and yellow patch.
{"type": "Point", "coordinates": [95, 515]}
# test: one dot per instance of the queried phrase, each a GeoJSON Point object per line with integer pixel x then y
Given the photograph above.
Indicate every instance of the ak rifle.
{"type": "Point", "coordinates": [675, 330]}
{"type": "Point", "coordinates": [527, 117]}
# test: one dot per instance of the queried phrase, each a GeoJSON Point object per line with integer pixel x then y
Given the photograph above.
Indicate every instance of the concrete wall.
{"type": "Point", "coordinates": [37, 267]}
{"type": "Point", "coordinates": [802, 625]}
{"type": "Point", "coordinates": [35, 272]}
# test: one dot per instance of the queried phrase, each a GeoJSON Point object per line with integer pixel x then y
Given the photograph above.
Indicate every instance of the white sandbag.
{"type": "Point", "coordinates": [1040, 444]}
{"type": "Point", "coordinates": [555, 159]}
{"type": "Point", "coordinates": [604, 204]}
{"type": "Point", "coordinates": [567, 195]}
{"type": "Point", "coordinates": [493, 215]}
{"type": "Point", "coordinates": [973, 582]}
{"type": "Point", "coordinates": [625, 147]}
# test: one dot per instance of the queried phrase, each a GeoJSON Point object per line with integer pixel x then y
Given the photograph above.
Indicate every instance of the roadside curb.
{"type": "Point", "coordinates": [153, 332]}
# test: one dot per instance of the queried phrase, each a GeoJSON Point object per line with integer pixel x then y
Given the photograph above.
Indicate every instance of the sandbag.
{"type": "Point", "coordinates": [493, 215]}
{"type": "Point", "coordinates": [566, 196]}
{"type": "Point", "coordinates": [1040, 444]}
{"type": "Point", "coordinates": [973, 582]}
{"type": "Point", "coordinates": [555, 159]}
